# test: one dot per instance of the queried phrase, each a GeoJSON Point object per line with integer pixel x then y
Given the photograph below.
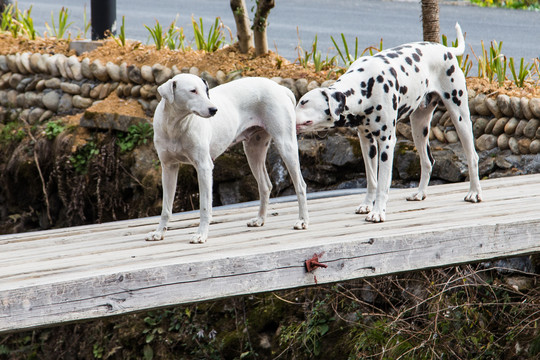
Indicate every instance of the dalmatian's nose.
{"type": "Point", "coordinates": [212, 111]}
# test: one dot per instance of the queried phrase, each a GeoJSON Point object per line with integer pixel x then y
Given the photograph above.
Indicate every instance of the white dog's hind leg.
{"type": "Point", "coordinates": [370, 163]}
{"type": "Point", "coordinates": [255, 149]}
{"type": "Point", "coordinates": [169, 176]}
{"type": "Point", "coordinates": [420, 120]}
{"type": "Point", "coordinates": [287, 146]}
{"type": "Point", "coordinates": [204, 176]}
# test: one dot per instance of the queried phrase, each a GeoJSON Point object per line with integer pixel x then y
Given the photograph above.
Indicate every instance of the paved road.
{"type": "Point", "coordinates": [394, 21]}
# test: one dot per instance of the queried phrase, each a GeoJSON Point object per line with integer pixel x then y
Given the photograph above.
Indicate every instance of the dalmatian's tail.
{"type": "Point", "coordinates": [460, 49]}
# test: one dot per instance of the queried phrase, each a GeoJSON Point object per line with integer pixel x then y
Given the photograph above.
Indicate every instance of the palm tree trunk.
{"type": "Point", "coordinates": [243, 29]}
{"type": "Point", "coordinates": [430, 20]}
{"type": "Point", "coordinates": [259, 25]}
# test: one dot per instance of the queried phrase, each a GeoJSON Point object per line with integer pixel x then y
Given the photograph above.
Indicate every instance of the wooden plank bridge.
{"type": "Point", "coordinates": [85, 272]}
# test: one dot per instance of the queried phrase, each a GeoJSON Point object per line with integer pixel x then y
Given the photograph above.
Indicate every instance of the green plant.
{"type": "Point", "coordinates": [82, 156]}
{"type": "Point", "coordinates": [11, 132]}
{"type": "Point", "coordinates": [512, 4]}
{"type": "Point", "coordinates": [345, 56]}
{"type": "Point", "coordinates": [215, 38]}
{"type": "Point", "coordinates": [316, 57]}
{"type": "Point", "coordinates": [157, 34]}
{"type": "Point", "coordinates": [63, 24]}
{"type": "Point", "coordinates": [373, 49]}
{"type": "Point", "coordinates": [54, 128]}
{"type": "Point", "coordinates": [121, 39]}
{"type": "Point", "coordinates": [86, 22]}
{"type": "Point", "coordinates": [524, 71]}
{"type": "Point", "coordinates": [27, 23]}
{"type": "Point", "coordinates": [175, 38]}
{"type": "Point", "coordinates": [492, 63]}
{"type": "Point", "coordinates": [9, 20]}
{"type": "Point", "coordinates": [136, 135]}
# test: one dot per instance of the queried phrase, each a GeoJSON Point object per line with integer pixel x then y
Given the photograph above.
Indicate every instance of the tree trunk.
{"type": "Point", "coordinates": [259, 25]}
{"type": "Point", "coordinates": [243, 29]}
{"type": "Point", "coordinates": [430, 20]}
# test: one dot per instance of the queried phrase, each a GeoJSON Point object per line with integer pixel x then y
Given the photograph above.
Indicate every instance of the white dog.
{"type": "Point", "coordinates": [195, 125]}
{"type": "Point", "coordinates": [375, 92]}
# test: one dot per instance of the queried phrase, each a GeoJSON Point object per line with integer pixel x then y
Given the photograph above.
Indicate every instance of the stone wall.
{"type": "Point", "coordinates": [38, 86]}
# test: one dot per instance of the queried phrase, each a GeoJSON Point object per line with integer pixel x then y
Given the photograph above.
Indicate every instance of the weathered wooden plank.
{"type": "Point", "coordinates": [101, 270]}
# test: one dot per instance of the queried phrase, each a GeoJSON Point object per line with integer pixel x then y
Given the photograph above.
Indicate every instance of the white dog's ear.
{"type": "Point", "coordinates": [167, 90]}
{"type": "Point", "coordinates": [336, 102]}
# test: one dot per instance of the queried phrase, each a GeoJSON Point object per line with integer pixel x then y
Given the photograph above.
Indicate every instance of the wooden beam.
{"type": "Point", "coordinates": [87, 272]}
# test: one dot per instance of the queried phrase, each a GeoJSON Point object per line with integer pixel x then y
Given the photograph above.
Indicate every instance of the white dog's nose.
{"type": "Point", "coordinates": [212, 111]}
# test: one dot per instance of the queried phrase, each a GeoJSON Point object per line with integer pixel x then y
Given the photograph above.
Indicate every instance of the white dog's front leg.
{"type": "Point", "coordinates": [204, 176]}
{"type": "Point", "coordinates": [169, 176]}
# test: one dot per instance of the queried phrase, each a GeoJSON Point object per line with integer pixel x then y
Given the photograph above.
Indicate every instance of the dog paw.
{"type": "Point", "coordinates": [154, 236]}
{"type": "Point", "coordinates": [376, 217]}
{"type": "Point", "coordinates": [363, 209]}
{"type": "Point", "coordinates": [198, 239]}
{"type": "Point", "coordinates": [473, 197]}
{"type": "Point", "coordinates": [256, 222]}
{"type": "Point", "coordinates": [419, 196]}
{"type": "Point", "coordinates": [301, 225]}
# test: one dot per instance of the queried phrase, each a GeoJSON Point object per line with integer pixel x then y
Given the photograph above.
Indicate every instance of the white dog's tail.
{"type": "Point", "coordinates": [460, 49]}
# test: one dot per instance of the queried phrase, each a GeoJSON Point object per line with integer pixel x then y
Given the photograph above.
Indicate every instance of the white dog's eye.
{"type": "Point", "coordinates": [194, 91]}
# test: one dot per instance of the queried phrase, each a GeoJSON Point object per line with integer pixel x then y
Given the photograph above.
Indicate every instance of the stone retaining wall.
{"type": "Point", "coordinates": [38, 86]}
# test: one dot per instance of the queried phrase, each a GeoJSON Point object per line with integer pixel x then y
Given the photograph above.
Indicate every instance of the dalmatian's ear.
{"type": "Point", "coordinates": [167, 90]}
{"type": "Point", "coordinates": [207, 87]}
{"type": "Point", "coordinates": [336, 102]}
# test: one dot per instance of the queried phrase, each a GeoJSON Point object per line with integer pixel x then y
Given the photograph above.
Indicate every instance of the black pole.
{"type": "Point", "coordinates": [103, 17]}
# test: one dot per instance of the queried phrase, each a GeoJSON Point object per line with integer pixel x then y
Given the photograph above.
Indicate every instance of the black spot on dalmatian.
{"type": "Point", "coordinates": [389, 138]}
{"type": "Point", "coordinates": [451, 70]}
{"type": "Point", "coordinates": [372, 151]}
{"type": "Point", "coordinates": [304, 102]}
{"type": "Point", "coordinates": [447, 95]}
{"type": "Point", "coordinates": [449, 56]}
{"type": "Point", "coordinates": [394, 102]}
{"type": "Point", "coordinates": [445, 57]}
{"type": "Point", "coordinates": [378, 119]}
{"type": "Point", "coordinates": [369, 110]}
{"type": "Point", "coordinates": [383, 138]}
{"type": "Point", "coordinates": [349, 92]}
{"type": "Point", "coordinates": [380, 79]}
{"type": "Point", "coordinates": [327, 111]}
{"type": "Point", "coordinates": [431, 159]}
{"type": "Point", "coordinates": [460, 93]}
{"type": "Point", "coordinates": [403, 68]}
{"type": "Point", "coordinates": [426, 131]}
{"type": "Point", "coordinates": [408, 60]}
{"type": "Point", "coordinates": [393, 72]}
{"type": "Point", "coordinates": [418, 51]}
{"type": "Point", "coordinates": [324, 95]}
{"type": "Point", "coordinates": [403, 90]}
{"type": "Point", "coordinates": [371, 81]}
{"type": "Point", "coordinates": [416, 57]}
{"type": "Point", "coordinates": [384, 156]}
{"type": "Point", "coordinates": [392, 55]}
{"type": "Point", "coordinates": [360, 69]}
{"type": "Point", "coordinates": [363, 84]}
{"type": "Point", "coordinates": [403, 109]}
{"type": "Point", "coordinates": [359, 101]}
{"type": "Point", "coordinates": [460, 118]}
{"type": "Point", "coordinates": [340, 122]}
{"type": "Point", "coordinates": [384, 127]}
{"type": "Point", "coordinates": [379, 107]}
{"type": "Point", "coordinates": [416, 69]}
{"type": "Point", "coordinates": [386, 88]}
{"type": "Point", "coordinates": [376, 133]}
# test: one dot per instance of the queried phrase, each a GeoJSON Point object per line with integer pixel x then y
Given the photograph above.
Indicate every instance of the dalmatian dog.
{"type": "Point", "coordinates": [195, 125]}
{"type": "Point", "coordinates": [375, 92]}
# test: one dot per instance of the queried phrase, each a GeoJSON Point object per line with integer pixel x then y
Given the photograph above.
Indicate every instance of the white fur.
{"type": "Point", "coordinates": [187, 129]}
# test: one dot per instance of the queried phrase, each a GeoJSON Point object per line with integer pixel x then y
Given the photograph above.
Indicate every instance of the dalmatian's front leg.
{"type": "Point", "coordinates": [386, 156]}
{"type": "Point", "coordinates": [370, 163]}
